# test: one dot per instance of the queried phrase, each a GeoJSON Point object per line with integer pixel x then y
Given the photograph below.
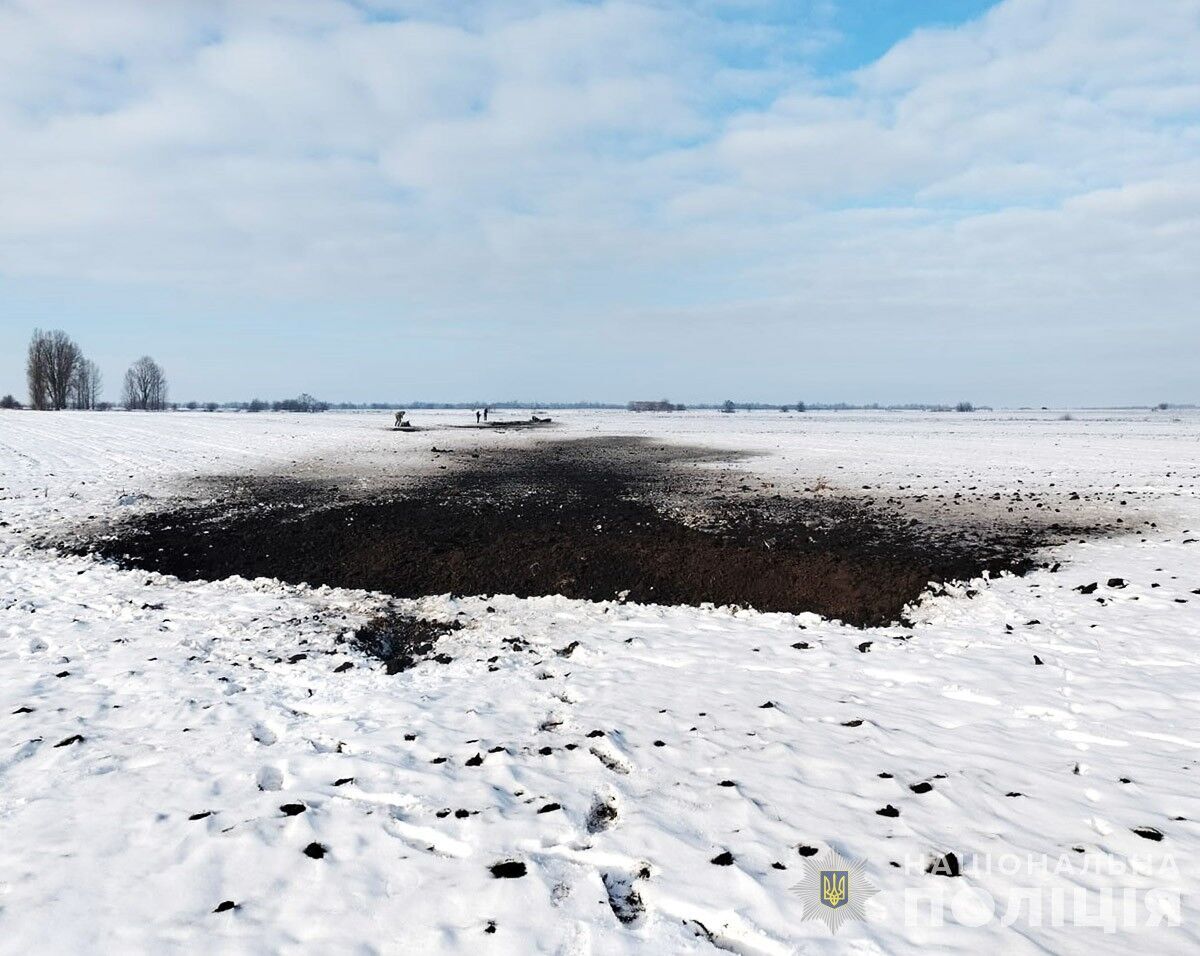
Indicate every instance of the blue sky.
{"type": "Point", "coordinates": [865, 31]}
{"type": "Point", "coordinates": [400, 199]}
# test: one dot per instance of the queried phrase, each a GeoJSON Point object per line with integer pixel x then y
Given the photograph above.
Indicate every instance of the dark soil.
{"type": "Point", "coordinates": [589, 519]}
{"type": "Point", "coordinates": [401, 641]}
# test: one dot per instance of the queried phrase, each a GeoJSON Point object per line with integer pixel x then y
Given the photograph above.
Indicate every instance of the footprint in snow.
{"type": "Point", "coordinates": [604, 752]}
{"type": "Point", "coordinates": [263, 734]}
{"type": "Point", "coordinates": [270, 778]}
{"type": "Point", "coordinates": [28, 749]}
{"type": "Point", "coordinates": [623, 896]}
{"type": "Point", "coordinates": [603, 813]}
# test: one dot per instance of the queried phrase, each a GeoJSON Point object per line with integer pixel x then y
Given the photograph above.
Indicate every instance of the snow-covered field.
{"type": "Point", "coordinates": [152, 730]}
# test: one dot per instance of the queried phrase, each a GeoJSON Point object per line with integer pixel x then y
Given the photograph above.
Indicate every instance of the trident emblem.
{"type": "Point", "coordinates": [834, 891]}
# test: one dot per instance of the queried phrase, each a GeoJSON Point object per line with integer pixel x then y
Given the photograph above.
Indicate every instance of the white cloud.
{"type": "Point", "coordinates": [557, 159]}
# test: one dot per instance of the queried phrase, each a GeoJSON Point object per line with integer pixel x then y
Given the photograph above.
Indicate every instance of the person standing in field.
{"type": "Point", "coordinates": [477, 416]}
{"type": "Point", "coordinates": [485, 412]}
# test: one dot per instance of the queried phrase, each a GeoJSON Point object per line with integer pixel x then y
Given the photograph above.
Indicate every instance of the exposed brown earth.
{"type": "Point", "coordinates": [590, 519]}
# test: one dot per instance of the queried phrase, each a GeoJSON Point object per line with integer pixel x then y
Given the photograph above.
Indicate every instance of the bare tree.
{"type": "Point", "coordinates": [86, 384]}
{"type": "Point", "coordinates": [145, 386]}
{"type": "Point", "coordinates": [50, 368]}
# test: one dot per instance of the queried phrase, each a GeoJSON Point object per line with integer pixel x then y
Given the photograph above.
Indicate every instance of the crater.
{"type": "Point", "coordinates": [593, 519]}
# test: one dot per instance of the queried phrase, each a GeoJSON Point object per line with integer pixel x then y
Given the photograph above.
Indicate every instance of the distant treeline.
{"type": "Point", "coordinates": [145, 388]}
{"type": "Point", "coordinates": [306, 403]}
{"type": "Point", "coordinates": [731, 406]}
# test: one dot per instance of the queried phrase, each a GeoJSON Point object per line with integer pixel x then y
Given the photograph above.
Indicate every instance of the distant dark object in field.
{"type": "Point", "coordinates": [315, 851]}
{"type": "Point", "coordinates": [1149, 833]}
{"type": "Point", "coordinates": [508, 870]}
{"type": "Point", "coordinates": [534, 421]}
{"type": "Point", "coordinates": [964, 407]}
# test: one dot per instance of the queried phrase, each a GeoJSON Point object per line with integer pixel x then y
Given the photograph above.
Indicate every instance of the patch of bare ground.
{"type": "Point", "coordinates": [590, 519]}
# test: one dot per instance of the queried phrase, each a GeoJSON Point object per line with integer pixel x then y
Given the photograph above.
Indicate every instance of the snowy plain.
{"type": "Point", "coordinates": [151, 730]}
